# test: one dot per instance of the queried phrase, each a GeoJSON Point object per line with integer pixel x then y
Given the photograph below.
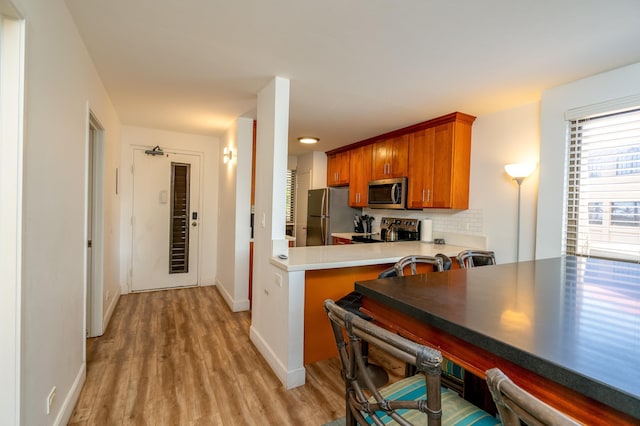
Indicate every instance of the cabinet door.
{"type": "Point", "coordinates": [338, 169]}
{"type": "Point", "coordinates": [442, 162]}
{"type": "Point", "coordinates": [420, 177]}
{"type": "Point", "coordinates": [343, 168]}
{"type": "Point", "coordinates": [332, 169]}
{"type": "Point", "coordinates": [400, 156]}
{"type": "Point", "coordinates": [359, 176]}
{"type": "Point", "coordinates": [380, 167]}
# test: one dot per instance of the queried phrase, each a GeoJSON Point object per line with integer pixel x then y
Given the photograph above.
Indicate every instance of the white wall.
{"type": "Point", "coordinates": [61, 83]}
{"type": "Point", "coordinates": [510, 136]}
{"type": "Point", "coordinates": [600, 88]}
{"type": "Point", "coordinates": [234, 232]}
{"type": "Point", "coordinates": [316, 163]}
{"type": "Point", "coordinates": [208, 146]}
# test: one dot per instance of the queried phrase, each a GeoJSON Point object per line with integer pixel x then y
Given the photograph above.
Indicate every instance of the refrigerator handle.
{"type": "Point", "coordinates": [323, 217]}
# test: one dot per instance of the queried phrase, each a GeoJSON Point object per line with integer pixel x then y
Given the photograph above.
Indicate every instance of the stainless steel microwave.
{"type": "Point", "coordinates": [388, 193]}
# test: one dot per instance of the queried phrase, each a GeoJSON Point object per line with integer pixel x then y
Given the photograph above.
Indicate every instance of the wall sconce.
{"type": "Point", "coordinates": [519, 172]}
{"type": "Point", "coordinates": [227, 155]}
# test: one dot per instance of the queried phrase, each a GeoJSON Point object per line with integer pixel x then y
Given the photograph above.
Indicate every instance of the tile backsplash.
{"type": "Point", "coordinates": [444, 221]}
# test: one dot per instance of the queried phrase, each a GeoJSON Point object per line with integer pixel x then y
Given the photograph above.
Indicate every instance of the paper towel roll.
{"type": "Point", "coordinates": [426, 231]}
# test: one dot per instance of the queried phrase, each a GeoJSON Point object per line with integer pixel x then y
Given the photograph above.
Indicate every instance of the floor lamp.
{"type": "Point", "coordinates": [519, 172]}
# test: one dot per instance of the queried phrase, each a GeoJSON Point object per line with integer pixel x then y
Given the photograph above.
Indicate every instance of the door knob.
{"type": "Point", "coordinates": [194, 223]}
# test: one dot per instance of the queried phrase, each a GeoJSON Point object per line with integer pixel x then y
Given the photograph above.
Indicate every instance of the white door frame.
{"type": "Point", "coordinates": [12, 36]}
{"type": "Point", "coordinates": [94, 267]}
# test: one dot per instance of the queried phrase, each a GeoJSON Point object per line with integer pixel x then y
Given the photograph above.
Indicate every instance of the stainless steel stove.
{"type": "Point", "coordinates": [405, 230]}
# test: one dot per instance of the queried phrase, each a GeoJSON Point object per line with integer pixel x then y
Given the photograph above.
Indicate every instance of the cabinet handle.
{"type": "Point", "coordinates": [428, 196]}
{"type": "Point", "coordinates": [423, 195]}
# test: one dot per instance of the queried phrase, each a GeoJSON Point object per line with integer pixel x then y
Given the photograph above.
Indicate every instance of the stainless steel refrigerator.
{"type": "Point", "coordinates": [328, 211]}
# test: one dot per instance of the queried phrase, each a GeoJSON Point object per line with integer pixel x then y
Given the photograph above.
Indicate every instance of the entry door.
{"type": "Point", "coordinates": [166, 222]}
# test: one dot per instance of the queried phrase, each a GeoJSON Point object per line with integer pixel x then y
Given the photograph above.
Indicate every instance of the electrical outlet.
{"type": "Point", "coordinates": [50, 399]}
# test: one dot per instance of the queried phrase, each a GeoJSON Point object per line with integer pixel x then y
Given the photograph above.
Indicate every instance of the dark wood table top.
{"type": "Point", "coordinates": [573, 320]}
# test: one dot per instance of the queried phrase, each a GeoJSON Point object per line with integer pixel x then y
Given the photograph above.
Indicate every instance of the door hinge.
{"type": "Point", "coordinates": [89, 244]}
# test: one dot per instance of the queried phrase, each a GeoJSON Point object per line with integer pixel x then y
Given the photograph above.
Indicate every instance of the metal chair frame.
{"type": "Point", "coordinates": [468, 258]}
{"type": "Point", "coordinates": [515, 404]}
{"type": "Point", "coordinates": [426, 360]}
{"type": "Point", "coordinates": [412, 262]}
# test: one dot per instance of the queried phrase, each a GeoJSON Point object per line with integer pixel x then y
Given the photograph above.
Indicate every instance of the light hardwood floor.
{"type": "Point", "coordinates": [181, 357]}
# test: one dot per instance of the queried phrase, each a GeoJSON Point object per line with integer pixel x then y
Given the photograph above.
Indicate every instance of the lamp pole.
{"type": "Point", "coordinates": [519, 172]}
{"type": "Point", "coordinates": [519, 181]}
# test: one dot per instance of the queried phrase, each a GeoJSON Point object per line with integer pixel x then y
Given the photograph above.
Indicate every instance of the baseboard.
{"type": "Point", "coordinates": [109, 313]}
{"type": "Point", "coordinates": [69, 403]}
{"type": "Point", "coordinates": [290, 379]}
{"type": "Point", "coordinates": [234, 305]}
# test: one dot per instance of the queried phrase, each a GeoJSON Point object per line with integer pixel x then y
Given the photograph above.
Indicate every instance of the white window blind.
{"type": "Point", "coordinates": [291, 197]}
{"type": "Point", "coordinates": [603, 192]}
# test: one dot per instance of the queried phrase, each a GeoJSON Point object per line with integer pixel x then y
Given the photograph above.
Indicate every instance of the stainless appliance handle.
{"type": "Point", "coordinates": [323, 217]}
{"type": "Point", "coordinates": [395, 194]}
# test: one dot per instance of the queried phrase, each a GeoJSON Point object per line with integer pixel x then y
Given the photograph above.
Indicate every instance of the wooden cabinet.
{"type": "Point", "coordinates": [359, 176]}
{"type": "Point", "coordinates": [340, 241]}
{"type": "Point", "coordinates": [434, 155]}
{"type": "Point", "coordinates": [420, 178]}
{"type": "Point", "coordinates": [338, 169]}
{"type": "Point", "coordinates": [390, 158]}
{"type": "Point", "coordinates": [440, 164]}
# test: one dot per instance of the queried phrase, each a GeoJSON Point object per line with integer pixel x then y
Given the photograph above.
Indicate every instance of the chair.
{"type": "Point", "coordinates": [472, 258]}
{"type": "Point", "coordinates": [352, 302]}
{"type": "Point", "coordinates": [409, 401]}
{"type": "Point", "coordinates": [413, 261]}
{"type": "Point", "coordinates": [515, 404]}
{"type": "Point", "coordinates": [452, 374]}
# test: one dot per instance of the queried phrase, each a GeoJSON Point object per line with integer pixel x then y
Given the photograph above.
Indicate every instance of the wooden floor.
{"type": "Point", "coordinates": [181, 357]}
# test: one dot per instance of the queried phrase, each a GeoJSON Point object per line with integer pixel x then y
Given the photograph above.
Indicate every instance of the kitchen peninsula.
{"type": "Point", "coordinates": [307, 277]}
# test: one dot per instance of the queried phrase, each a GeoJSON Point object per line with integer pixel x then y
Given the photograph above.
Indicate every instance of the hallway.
{"type": "Point", "coordinates": [181, 357]}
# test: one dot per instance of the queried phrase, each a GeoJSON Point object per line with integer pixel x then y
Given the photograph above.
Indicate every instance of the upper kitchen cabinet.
{"type": "Point", "coordinates": [420, 179]}
{"type": "Point", "coordinates": [359, 176]}
{"type": "Point", "coordinates": [338, 169]}
{"type": "Point", "coordinates": [440, 163]}
{"type": "Point", "coordinates": [390, 158]}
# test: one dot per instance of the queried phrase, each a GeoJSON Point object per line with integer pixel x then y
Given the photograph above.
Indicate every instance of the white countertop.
{"type": "Point", "coordinates": [348, 255]}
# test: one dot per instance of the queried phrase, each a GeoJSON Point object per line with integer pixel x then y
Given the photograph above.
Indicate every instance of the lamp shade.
{"type": "Point", "coordinates": [519, 170]}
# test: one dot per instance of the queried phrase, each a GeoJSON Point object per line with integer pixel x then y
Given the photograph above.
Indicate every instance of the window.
{"type": "Point", "coordinates": [603, 193]}
{"type": "Point", "coordinates": [290, 207]}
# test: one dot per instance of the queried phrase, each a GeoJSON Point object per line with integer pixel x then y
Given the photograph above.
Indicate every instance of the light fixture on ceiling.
{"type": "Point", "coordinates": [227, 155]}
{"type": "Point", "coordinates": [519, 172]}
{"type": "Point", "coordinates": [308, 140]}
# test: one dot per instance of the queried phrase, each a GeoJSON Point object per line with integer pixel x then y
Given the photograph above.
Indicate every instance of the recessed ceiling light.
{"type": "Point", "coordinates": [308, 140]}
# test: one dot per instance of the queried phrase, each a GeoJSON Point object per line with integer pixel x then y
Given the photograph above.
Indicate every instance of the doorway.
{"type": "Point", "coordinates": [165, 220]}
{"type": "Point", "coordinates": [94, 229]}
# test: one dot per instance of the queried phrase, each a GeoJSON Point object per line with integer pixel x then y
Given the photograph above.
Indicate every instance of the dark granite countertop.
{"type": "Point", "coordinates": [575, 321]}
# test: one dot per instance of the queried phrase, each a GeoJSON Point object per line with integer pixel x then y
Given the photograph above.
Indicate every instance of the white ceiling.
{"type": "Point", "coordinates": [357, 68]}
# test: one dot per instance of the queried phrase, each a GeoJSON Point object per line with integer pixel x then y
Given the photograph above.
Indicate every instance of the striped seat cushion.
{"type": "Point", "coordinates": [455, 410]}
{"type": "Point", "coordinates": [452, 369]}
